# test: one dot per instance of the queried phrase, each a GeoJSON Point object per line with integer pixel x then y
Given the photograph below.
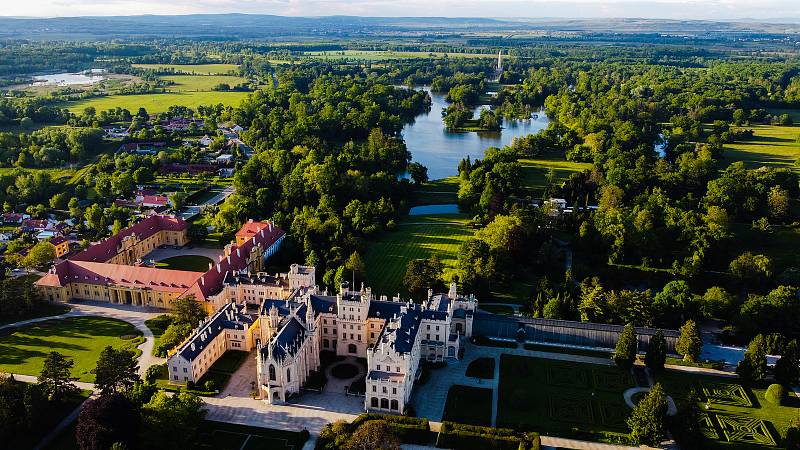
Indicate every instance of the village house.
{"type": "Point", "coordinates": [61, 244]}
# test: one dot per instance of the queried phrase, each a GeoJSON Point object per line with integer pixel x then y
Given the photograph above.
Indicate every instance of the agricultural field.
{"type": "Point", "coordinates": [155, 103]}
{"type": "Point", "coordinates": [534, 171]}
{"type": "Point", "coordinates": [418, 237]}
{"type": "Point", "coordinates": [563, 398]}
{"type": "Point", "coordinates": [771, 146]}
{"type": "Point", "coordinates": [23, 350]}
{"type": "Point", "coordinates": [735, 416]}
{"type": "Point", "coordinates": [188, 83]}
{"type": "Point", "coordinates": [197, 69]}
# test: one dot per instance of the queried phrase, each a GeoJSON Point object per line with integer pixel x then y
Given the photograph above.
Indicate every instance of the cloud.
{"type": "Point", "coordinates": [674, 9]}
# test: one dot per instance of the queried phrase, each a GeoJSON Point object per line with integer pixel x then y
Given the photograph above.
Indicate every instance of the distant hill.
{"type": "Point", "coordinates": [256, 26]}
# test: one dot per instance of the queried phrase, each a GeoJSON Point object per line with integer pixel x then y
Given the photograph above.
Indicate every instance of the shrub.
{"type": "Point", "coordinates": [410, 430]}
{"type": "Point", "coordinates": [776, 394]}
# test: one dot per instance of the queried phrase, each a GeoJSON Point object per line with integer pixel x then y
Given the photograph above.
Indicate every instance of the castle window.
{"type": "Point", "coordinates": [288, 375]}
{"type": "Point", "coordinates": [271, 372]}
{"type": "Point", "coordinates": [325, 343]}
{"type": "Point", "coordinates": [385, 403]}
{"type": "Point", "coordinates": [379, 367]}
{"type": "Point", "coordinates": [394, 391]}
{"type": "Point", "coordinates": [394, 405]}
{"type": "Point", "coordinates": [374, 402]}
{"type": "Point", "coordinates": [352, 348]}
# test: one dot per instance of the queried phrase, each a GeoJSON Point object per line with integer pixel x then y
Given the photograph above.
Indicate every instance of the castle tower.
{"type": "Point", "coordinates": [500, 62]}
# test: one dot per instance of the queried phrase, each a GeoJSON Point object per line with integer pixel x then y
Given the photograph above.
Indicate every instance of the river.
{"type": "Point", "coordinates": [440, 150]}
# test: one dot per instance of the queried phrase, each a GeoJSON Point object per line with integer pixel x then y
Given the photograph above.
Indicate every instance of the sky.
{"type": "Point", "coordinates": [664, 9]}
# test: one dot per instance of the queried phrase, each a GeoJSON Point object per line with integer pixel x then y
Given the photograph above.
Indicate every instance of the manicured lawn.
{"type": "Point", "coordinates": [184, 83]}
{"type": "Point", "coordinates": [190, 263]}
{"type": "Point", "coordinates": [200, 69]}
{"type": "Point", "coordinates": [481, 368]}
{"type": "Point", "coordinates": [155, 103]}
{"type": "Point", "coordinates": [563, 398]}
{"type": "Point", "coordinates": [771, 146]}
{"type": "Point", "coordinates": [419, 237]}
{"type": "Point", "coordinates": [470, 405]}
{"type": "Point", "coordinates": [80, 338]}
{"type": "Point", "coordinates": [228, 436]}
{"type": "Point", "coordinates": [502, 310]}
{"type": "Point", "coordinates": [157, 326]}
{"type": "Point", "coordinates": [534, 171]}
{"type": "Point", "coordinates": [737, 416]}
{"type": "Point", "coordinates": [437, 192]}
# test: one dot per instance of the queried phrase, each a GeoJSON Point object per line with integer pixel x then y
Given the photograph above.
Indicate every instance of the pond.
{"type": "Point", "coordinates": [450, 208]}
{"type": "Point", "coordinates": [440, 150]}
{"type": "Point", "coordinates": [68, 79]}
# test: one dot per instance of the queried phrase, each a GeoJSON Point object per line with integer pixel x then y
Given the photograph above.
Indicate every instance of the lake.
{"type": "Point", "coordinates": [447, 208]}
{"type": "Point", "coordinates": [440, 150]}
{"type": "Point", "coordinates": [67, 79]}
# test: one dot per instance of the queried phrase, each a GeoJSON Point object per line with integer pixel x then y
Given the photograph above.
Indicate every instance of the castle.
{"type": "Point", "coordinates": [289, 334]}
{"type": "Point", "coordinates": [112, 270]}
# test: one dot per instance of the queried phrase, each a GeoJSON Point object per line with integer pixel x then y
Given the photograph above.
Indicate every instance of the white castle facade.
{"type": "Point", "coordinates": [295, 322]}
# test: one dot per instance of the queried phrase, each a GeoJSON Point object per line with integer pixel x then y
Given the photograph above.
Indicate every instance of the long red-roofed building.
{"type": "Point", "coordinates": [106, 272]}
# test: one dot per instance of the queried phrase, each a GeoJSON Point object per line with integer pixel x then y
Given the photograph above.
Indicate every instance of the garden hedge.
{"type": "Point", "coordinates": [472, 437]}
{"type": "Point", "coordinates": [776, 394]}
{"type": "Point", "coordinates": [409, 430]}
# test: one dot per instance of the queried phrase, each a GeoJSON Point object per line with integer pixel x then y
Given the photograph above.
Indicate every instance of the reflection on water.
{"type": "Point", "coordinates": [67, 79]}
{"type": "Point", "coordinates": [449, 208]}
{"type": "Point", "coordinates": [440, 150]}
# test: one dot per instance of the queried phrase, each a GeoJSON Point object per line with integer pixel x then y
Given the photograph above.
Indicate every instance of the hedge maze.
{"type": "Point", "coordinates": [567, 398]}
{"type": "Point", "coordinates": [727, 394]}
{"type": "Point", "coordinates": [738, 429]}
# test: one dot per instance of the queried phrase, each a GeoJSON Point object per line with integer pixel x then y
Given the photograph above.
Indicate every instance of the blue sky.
{"type": "Point", "coordinates": [669, 9]}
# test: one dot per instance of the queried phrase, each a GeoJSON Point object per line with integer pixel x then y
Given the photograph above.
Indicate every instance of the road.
{"type": "Point", "coordinates": [190, 211]}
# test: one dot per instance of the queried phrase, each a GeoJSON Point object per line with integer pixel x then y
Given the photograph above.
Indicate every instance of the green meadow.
{"type": "Point", "coordinates": [198, 69]}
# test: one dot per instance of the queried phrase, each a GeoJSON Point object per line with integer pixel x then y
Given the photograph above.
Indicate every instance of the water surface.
{"type": "Point", "coordinates": [440, 150]}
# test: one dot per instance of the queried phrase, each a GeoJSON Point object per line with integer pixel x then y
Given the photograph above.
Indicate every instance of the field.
{"type": "Point", "coordinates": [191, 263]}
{"type": "Point", "coordinates": [563, 398]}
{"type": "Point", "coordinates": [437, 192]}
{"type": "Point", "coordinates": [737, 416]}
{"type": "Point", "coordinates": [80, 338]}
{"type": "Point", "coordinates": [378, 55]}
{"type": "Point", "coordinates": [155, 103]}
{"type": "Point", "coordinates": [470, 405]}
{"type": "Point", "coordinates": [228, 436]}
{"type": "Point", "coordinates": [780, 244]}
{"type": "Point", "coordinates": [198, 69]}
{"type": "Point", "coordinates": [534, 172]}
{"type": "Point", "coordinates": [417, 238]}
{"type": "Point", "coordinates": [771, 146]}
{"type": "Point", "coordinates": [184, 83]}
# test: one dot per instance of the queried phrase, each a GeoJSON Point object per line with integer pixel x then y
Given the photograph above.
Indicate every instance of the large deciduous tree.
{"type": "Point", "coordinates": [116, 371]}
{"type": "Point", "coordinates": [55, 376]}
{"type": "Point", "coordinates": [107, 420]}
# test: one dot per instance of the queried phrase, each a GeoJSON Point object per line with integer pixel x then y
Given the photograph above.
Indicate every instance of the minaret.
{"type": "Point", "coordinates": [500, 62]}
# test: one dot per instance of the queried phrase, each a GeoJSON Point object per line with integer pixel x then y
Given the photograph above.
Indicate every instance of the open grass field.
{"type": "Point", "coordinates": [155, 103]}
{"type": "Point", "coordinates": [780, 244]}
{"type": "Point", "coordinates": [563, 398]}
{"type": "Point", "coordinates": [227, 436]}
{"type": "Point", "coordinates": [470, 405]}
{"type": "Point", "coordinates": [378, 55]}
{"type": "Point", "coordinates": [23, 350]}
{"type": "Point", "coordinates": [437, 192]}
{"type": "Point", "coordinates": [191, 263]}
{"type": "Point", "coordinates": [534, 171]}
{"type": "Point", "coordinates": [771, 146]}
{"type": "Point", "coordinates": [737, 417]}
{"type": "Point", "coordinates": [186, 83]}
{"type": "Point", "coordinates": [417, 238]}
{"type": "Point", "coordinates": [199, 69]}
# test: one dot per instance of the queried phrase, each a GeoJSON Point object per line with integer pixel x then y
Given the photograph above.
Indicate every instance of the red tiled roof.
{"type": "Point", "coordinates": [211, 282]}
{"type": "Point", "coordinates": [105, 250]}
{"type": "Point", "coordinates": [57, 240]}
{"type": "Point", "coordinates": [250, 229]}
{"type": "Point", "coordinates": [154, 200]}
{"type": "Point", "coordinates": [165, 280]}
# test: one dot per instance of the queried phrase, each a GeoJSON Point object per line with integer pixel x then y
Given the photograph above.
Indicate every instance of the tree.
{"type": "Point", "coordinates": [787, 368]}
{"type": "Point", "coordinates": [750, 267]}
{"type": "Point", "coordinates": [55, 376]}
{"type": "Point", "coordinates": [648, 420]}
{"type": "Point", "coordinates": [11, 403]}
{"type": "Point", "coordinates": [418, 173]}
{"type": "Point", "coordinates": [188, 310]}
{"type": "Point", "coordinates": [689, 434]}
{"type": "Point", "coordinates": [421, 275]}
{"type": "Point", "coordinates": [717, 303]}
{"type": "Point", "coordinates": [178, 200]}
{"type": "Point", "coordinates": [476, 266]}
{"type": "Point", "coordinates": [116, 371]}
{"type": "Point", "coordinates": [39, 255]}
{"type": "Point", "coordinates": [171, 421]}
{"type": "Point", "coordinates": [355, 265]}
{"type": "Point", "coordinates": [107, 420]}
{"type": "Point", "coordinates": [656, 354]}
{"type": "Point", "coordinates": [778, 203]}
{"type": "Point", "coordinates": [753, 368]}
{"type": "Point", "coordinates": [373, 435]}
{"type": "Point", "coordinates": [627, 344]}
{"type": "Point", "coordinates": [689, 344]}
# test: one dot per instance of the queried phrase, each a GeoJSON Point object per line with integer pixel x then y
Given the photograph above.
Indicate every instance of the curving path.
{"type": "Point", "coordinates": [628, 394]}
